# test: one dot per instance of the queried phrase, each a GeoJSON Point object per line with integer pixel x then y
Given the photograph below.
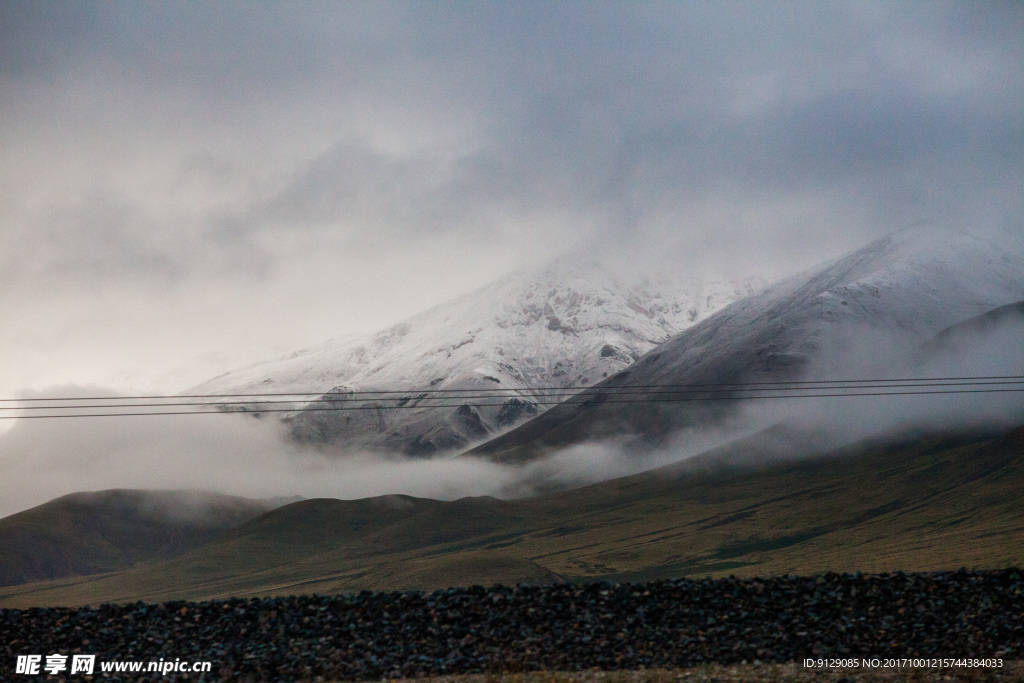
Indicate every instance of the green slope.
{"type": "Point", "coordinates": [921, 503]}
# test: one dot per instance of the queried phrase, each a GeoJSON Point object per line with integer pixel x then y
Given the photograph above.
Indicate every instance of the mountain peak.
{"type": "Point", "coordinates": [928, 241]}
{"type": "Point", "coordinates": [566, 323]}
{"type": "Point", "coordinates": [906, 286]}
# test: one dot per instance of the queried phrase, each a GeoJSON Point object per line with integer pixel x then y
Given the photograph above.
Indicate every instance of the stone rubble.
{"type": "Point", "coordinates": [668, 624]}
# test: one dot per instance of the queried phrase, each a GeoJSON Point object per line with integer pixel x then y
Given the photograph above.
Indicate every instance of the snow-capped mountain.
{"type": "Point", "coordinates": [904, 288]}
{"type": "Point", "coordinates": [568, 324]}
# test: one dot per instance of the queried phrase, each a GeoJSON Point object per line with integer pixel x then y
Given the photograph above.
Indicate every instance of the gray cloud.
{"type": "Point", "coordinates": [212, 158]}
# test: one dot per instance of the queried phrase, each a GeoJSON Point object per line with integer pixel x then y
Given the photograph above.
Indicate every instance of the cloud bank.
{"type": "Point", "coordinates": [183, 183]}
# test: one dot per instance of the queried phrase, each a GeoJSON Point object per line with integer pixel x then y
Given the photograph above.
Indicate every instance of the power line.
{"type": "Point", "coordinates": [474, 395]}
{"type": "Point", "coordinates": [591, 400]}
{"type": "Point", "coordinates": [503, 389]}
{"type": "Point", "coordinates": [403, 393]}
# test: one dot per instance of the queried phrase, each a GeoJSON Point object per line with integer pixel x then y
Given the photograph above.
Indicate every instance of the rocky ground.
{"type": "Point", "coordinates": [749, 673]}
{"type": "Point", "coordinates": [671, 626]}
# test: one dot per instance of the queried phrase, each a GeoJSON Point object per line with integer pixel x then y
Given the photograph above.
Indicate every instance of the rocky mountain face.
{"type": "Point", "coordinates": [908, 286]}
{"type": "Point", "coordinates": [568, 324]}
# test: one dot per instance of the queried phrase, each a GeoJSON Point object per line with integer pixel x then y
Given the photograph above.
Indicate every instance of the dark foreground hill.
{"type": "Point", "coordinates": [972, 622]}
{"type": "Point", "coordinates": [102, 531]}
{"type": "Point", "coordinates": [915, 503]}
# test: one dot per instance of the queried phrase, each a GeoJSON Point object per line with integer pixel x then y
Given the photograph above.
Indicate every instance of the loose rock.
{"type": "Point", "coordinates": [659, 625]}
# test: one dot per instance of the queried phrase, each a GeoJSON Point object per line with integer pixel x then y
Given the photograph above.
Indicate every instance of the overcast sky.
{"type": "Point", "coordinates": [191, 185]}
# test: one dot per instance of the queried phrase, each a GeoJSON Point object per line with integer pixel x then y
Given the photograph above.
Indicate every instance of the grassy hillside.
{"type": "Point", "coordinates": [94, 532]}
{"type": "Point", "coordinates": [924, 503]}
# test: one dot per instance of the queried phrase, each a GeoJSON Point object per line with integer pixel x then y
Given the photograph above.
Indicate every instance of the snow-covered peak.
{"type": "Point", "coordinates": [538, 318]}
{"type": "Point", "coordinates": [853, 317]}
{"type": "Point", "coordinates": [913, 283]}
{"type": "Point", "coordinates": [911, 250]}
{"type": "Point", "coordinates": [568, 323]}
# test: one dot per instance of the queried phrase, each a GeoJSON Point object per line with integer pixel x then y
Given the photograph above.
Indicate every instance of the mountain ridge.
{"type": "Point", "coordinates": [911, 285]}
{"type": "Point", "coordinates": [100, 531]}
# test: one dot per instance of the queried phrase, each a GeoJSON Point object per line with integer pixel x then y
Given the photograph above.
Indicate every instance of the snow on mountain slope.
{"type": "Point", "coordinates": [568, 324]}
{"type": "Point", "coordinates": [907, 286]}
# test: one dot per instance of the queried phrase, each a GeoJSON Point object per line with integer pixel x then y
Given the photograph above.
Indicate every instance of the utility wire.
{"type": "Point", "coordinates": [570, 392]}
{"type": "Point", "coordinates": [486, 391]}
{"type": "Point", "coordinates": [593, 399]}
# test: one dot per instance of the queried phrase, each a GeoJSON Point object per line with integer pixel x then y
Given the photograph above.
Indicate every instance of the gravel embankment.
{"type": "Point", "coordinates": [663, 625]}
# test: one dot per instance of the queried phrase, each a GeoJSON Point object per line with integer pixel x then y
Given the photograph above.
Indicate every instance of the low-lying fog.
{"type": "Point", "coordinates": [43, 459]}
